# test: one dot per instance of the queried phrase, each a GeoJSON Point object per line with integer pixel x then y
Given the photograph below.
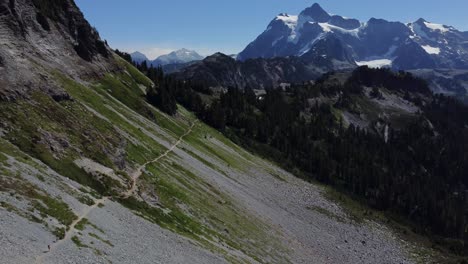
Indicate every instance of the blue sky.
{"type": "Point", "coordinates": [157, 27]}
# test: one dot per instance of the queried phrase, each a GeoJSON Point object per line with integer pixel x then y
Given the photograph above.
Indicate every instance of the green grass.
{"type": "Point", "coordinates": [80, 128]}
{"type": "Point", "coordinates": [103, 103]}
{"type": "Point", "coordinates": [7, 206]}
{"type": "Point", "coordinates": [85, 222]}
{"type": "Point", "coordinates": [201, 138]}
{"type": "Point", "coordinates": [46, 205]}
{"type": "Point", "coordinates": [129, 93]}
{"type": "Point", "coordinates": [134, 72]}
{"type": "Point", "coordinates": [66, 122]}
{"type": "Point", "coordinates": [3, 158]}
{"type": "Point", "coordinates": [175, 185]}
{"type": "Point", "coordinates": [91, 192]}
{"type": "Point", "coordinates": [101, 239]}
{"type": "Point", "coordinates": [84, 199]}
{"type": "Point", "coordinates": [204, 161]}
{"type": "Point", "coordinates": [338, 114]}
{"type": "Point", "coordinates": [82, 224]}
{"type": "Point", "coordinates": [56, 209]}
{"type": "Point", "coordinates": [11, 150]}
{"type": "Point", "coordinates": [169, 123]}
{"type": "Point", "coordinates": [174, 220]}
{"type": "Point", "coordinates": [59, 232]}
{"type": "Point", "coordinates": [78, 242]}
{"type": "Point", "coordinates": [25, 214]}
{"type": "Point", "coordinates": [192, 207]}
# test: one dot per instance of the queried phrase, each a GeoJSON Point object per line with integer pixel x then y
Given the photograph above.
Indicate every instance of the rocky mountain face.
{"type": "Point", "coordinates": [92, 170]}
{"type": "Point", "coordinates": [223, 70]}
{"type": "Point", "coordinates": [49, 33]}
{"type": "Point", "coordinates": [376, 42]}
{"type": "Point", "coordinates": [446, 81]}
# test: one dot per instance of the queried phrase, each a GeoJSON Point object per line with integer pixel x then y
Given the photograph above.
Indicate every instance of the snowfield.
{"type": "Point", "coordinates": [381, 63]}
{"type": "Point", "coordinates": [431, 50]}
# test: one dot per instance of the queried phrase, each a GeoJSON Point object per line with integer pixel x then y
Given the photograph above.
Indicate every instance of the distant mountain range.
{"type": "Point", "coordinates": [178, 57]}
{"type": "Point", "coordinates": [315, 41]}
{"type": "Point", "coordinates": [376, 43]}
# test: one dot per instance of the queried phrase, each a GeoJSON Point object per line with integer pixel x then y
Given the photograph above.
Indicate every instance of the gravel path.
{"type": "Point", "coordinates": [134, 240]}
{"type": "Point", "coordinates": [71, 230]}
{"type": "Point", "coordinates": [137, 174]}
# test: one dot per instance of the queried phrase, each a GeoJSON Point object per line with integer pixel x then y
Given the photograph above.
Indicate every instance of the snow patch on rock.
{"type": "Point", "coordinates": [331, 28]}
{"type": "Point", "coordinates": [288, 20]}
{"type": "Point", "coordinates": [439, 27]}
{"type": "Point", "coordinates": [381, 63]}
{"type": "Point", "coordinates": [431, 50]}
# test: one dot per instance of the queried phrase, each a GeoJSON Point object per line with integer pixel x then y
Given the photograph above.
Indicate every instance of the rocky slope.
{"type": "Point", "coordinates": [446, 81]}
{"type": "Point", "coordinates": [74, 133]}
{"type": "Point", "coordinates": [54, 35]}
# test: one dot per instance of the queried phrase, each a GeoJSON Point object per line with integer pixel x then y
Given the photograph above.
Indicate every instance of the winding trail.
{"type": "Point", "coordinates": [135, 176]}
{"type": "Point", "coordinates": [138, 172]}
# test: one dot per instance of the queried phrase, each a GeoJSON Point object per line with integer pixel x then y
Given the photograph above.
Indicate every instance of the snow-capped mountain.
{"type": "Point", "coordinates": [177, 57]}
{"type": "Point", "coordinates": [138, 57]}
{"type": "Point", "coordinates": [375, 43]}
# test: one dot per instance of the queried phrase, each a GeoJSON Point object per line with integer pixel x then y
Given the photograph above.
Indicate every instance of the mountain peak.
{"type": "Point", "coordinates": [316, 6]}
{"type": "Point", "coordinates": [138, 57]}
{"type": "Point", "coordinates": [178, 56]}
{"type": "Point", "coordinates": [420, 21]}
{"type": "Point", "coordinates": [317, 13]}
{"type": "Point", "coordinates": [218, 55]}
{"type": "Point", "coordinates": [137, 53]}
{"type": "Point", "coordinates": [184, 50]}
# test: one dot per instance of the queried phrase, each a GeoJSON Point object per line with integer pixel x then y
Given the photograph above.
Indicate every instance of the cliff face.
{"type": "Point", "coordinates": [47, 34]}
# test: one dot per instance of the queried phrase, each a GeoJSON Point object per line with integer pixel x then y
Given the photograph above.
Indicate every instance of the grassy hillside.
{"type": "Point", "coordinates": [60, 156]}
{"type": "Point", "coordinates": [109, 122]}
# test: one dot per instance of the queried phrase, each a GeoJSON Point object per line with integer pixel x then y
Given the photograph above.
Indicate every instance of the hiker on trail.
{"type": "Point", "coordinates": [48, 246]}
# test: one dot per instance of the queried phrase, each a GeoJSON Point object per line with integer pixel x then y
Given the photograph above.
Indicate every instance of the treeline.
{"type": "Point", "coordinates": [169, 91]}
{"type": "Point", "coordinates": [420, 171]}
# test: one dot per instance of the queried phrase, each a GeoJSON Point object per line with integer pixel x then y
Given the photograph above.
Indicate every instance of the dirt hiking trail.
{"type": "Point", "coordinates": [135, 176]}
